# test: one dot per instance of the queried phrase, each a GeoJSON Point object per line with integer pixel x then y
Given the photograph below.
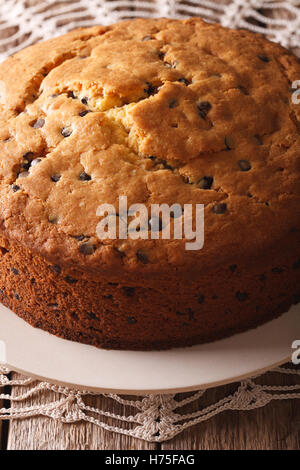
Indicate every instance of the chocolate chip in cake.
{"type": "Point", "coordinates": [191, 314]}
{"type": "Point", "coordinates": [205, 182]}
{"type": "Point", "coordinates": [15, 271]}
{"type": "Point", "coordinates": [142, 257]}
{"type": "Point", "coordinates": [183, 80]}
{"type": "Point", "coordinates": [229, 142]}
{"type": "Point", "coordinates": [70, 280]}
{"type": "Point", "coordinates": [3, 250]}
{"type": "Point", "coordinates": [80, 238]}
{"type": "Point", "coordinates": [128, 291]}
{"type": "Point", "coordinates": [87, 248]}
{"type": "Point", "coordinates": [15, 188]}
{"type": "Point", "coordinates": [84, 176]}
{"type": "Point", "coordinates": [296, 265]}
{"type": "Point", "coordinates": [131, 320]}
{"type": "Point", "coordinates": [84, 113]}
{"type": "Point", "coordinates": [151, 89]}
{"type": "Point", "coordinates": [233, 267]}
{"type": "Point", "coordinates": [258, 139]}
{"type": "Point", "coordinates": [244, 165]}
{"type": "Point", "coordinates": [147, 38]}
{"type": "Point", "coordinates": [92, 315]}
{"type": "Point", "coordinates": [277, 270]}
{"type": "Point", "coordinates": [85, 100]}
{"type": "Point", "coordinates": [53, 219]}
{"type": "Point", "coordinates": [263, 58]}
{"type": "Point", "coordinates": [35, 162]}
{"type": "Point", "coordinates": [173, 104]}
{"type": "Point", "coordinates": [71, 95]}
{"type": "Point", "coordinates": [28, 156]}
{"type": "Point", "coordinates": [24, 174]}
{"type": "Point", "coordinates": [219, 208]}
{"type": "Point", "coordinates": [56, 269]}
{"type": "Point", "coordinates": [55, 178]}
{"type": "Point", "coordinates": [203, 108]}
{"type": "Point", "coordinates": [201, 299]}
{"type": "Point", "coordinates": [241, 296]}
{"type": "Point", "coordinates": [39, 123]}
{"type": "Point", "coordinates": [16, 296]}
{"type": "Point", "coordinates": [66, 131]}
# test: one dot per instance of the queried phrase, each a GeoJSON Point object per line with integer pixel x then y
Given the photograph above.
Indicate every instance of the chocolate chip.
{"type": "Point", "coordinates": [3, 250]}
{"type": "Point", "coordinates": [229, 143]}
{"type": "Point", "coordinates": [263, 58]}
{"type": "Point", "coordinates": [36, 161]}
{"type": "Point", "coordinates": [70, 280]}
{"type": "Point", "coordinates": [203, 108]}
{"type": "Point", "coordinates": [66, 131]}
{"type": "Point", "coordinates": [16, 296]}
{"type": "Point", "coordinates": [85, 100]}
{"type": "Point", "coordinates": [147, 38]}
{"type": "Point", "coordinates": [201, 299]}
{"type": "Point", "coordinates": [219, 208]}
{"type": "Point", "coordinates": [205, 182]}
{"type": "Point", "coordinates": [173, 104]}
{"type": "Point", "coordinates": [28, 155]}
{"type": "Point", "coordinates": [26, 165]}
{"type": "Point", "coordinates": [15, 188]}
{"type": "Point", "coordinates": [84, 113]}
{"type": "Point", "coordinates": [183, 80]}
{"type": "Point", "coordinates": [55, 178]}
{"type": "Point", "coordinates": [80, 238]}
{"type": "Point", "coordinates": [53, 220]}
{"type": "Point", "coordinates": [92, 315]}
{"type": "Point", "coordinates": [87, 248]}
{"type": "Point", "coordinates": [150, 90]}
{"type": "Point", "coordinates": [277, 270]}
{"type": "Point", "coordinates": [241, 296]}
{"type": "Point", "coordinates": [15, 271]}
{"type": "Point", "coordinates": [84, 176]}
{"type": "Point", "coordinates": [258, 139]}
{"type": "Point", "coordinates": [296, 265]}
{"type": "Point", "coordinates": [55, 268]}
{"type": "Point", "coordinates": [161, 55]}
{"type": "Point", "coordinates": [39, 123]}
{"type": "Point", "coordinates": [233, 267]}
{"type": "Point", "coordinates": [24, 174]}
{"type": "Point", "coordinates": [131, 320]}
{"type": "Point", "coordinates": [142, 257]}
{"type": "Point", "coordinates": [129, 291]}
{"type": "Point", "coordinates": [71, 95]}
{"type": "Point", "coordinates": [244, 165]}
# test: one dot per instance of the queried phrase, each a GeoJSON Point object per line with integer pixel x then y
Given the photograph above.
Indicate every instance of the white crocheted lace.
{"type": "Point", "coordinates": [23, 22]}
{"type": "Point", "coordinates": [157, 417]}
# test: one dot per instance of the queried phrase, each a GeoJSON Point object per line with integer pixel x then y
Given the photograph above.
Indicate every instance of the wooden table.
{"type": "Point", "coordinates": [277, 426]}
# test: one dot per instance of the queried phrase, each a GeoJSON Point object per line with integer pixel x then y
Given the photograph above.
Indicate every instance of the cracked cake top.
{"type": "Point", "coordinates": [162, 111]}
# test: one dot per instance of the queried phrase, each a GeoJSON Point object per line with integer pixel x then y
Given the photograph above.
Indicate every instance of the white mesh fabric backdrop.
{"type": "Point", "coordinates": [23, 22]}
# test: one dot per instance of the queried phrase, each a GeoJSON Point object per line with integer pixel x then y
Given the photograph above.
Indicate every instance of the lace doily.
{"type": "Point", "coordinates": [24, 22]}
{"type": "Point", "coordinates": [157, 418]}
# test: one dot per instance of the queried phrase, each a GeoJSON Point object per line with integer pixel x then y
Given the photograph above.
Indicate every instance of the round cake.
{"type": "Point", "coordinates": [160, 112]}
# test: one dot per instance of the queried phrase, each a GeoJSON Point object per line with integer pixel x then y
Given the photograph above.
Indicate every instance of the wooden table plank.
{"type": "Point", "coordinates": [43, 433]}
{"type": "Point", "coordinates": [276, 426]}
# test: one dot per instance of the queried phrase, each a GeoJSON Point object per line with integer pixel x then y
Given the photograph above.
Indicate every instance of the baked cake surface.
{"type": "Point", "coordinates": [162, 111]}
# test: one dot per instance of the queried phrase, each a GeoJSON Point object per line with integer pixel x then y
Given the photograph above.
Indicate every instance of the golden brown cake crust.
{"type": "Point", "coordinates": [147, 109]}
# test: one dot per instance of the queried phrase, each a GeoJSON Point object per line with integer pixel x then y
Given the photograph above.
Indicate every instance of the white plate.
{"type": "Point", "coordinates": [39, 354]}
